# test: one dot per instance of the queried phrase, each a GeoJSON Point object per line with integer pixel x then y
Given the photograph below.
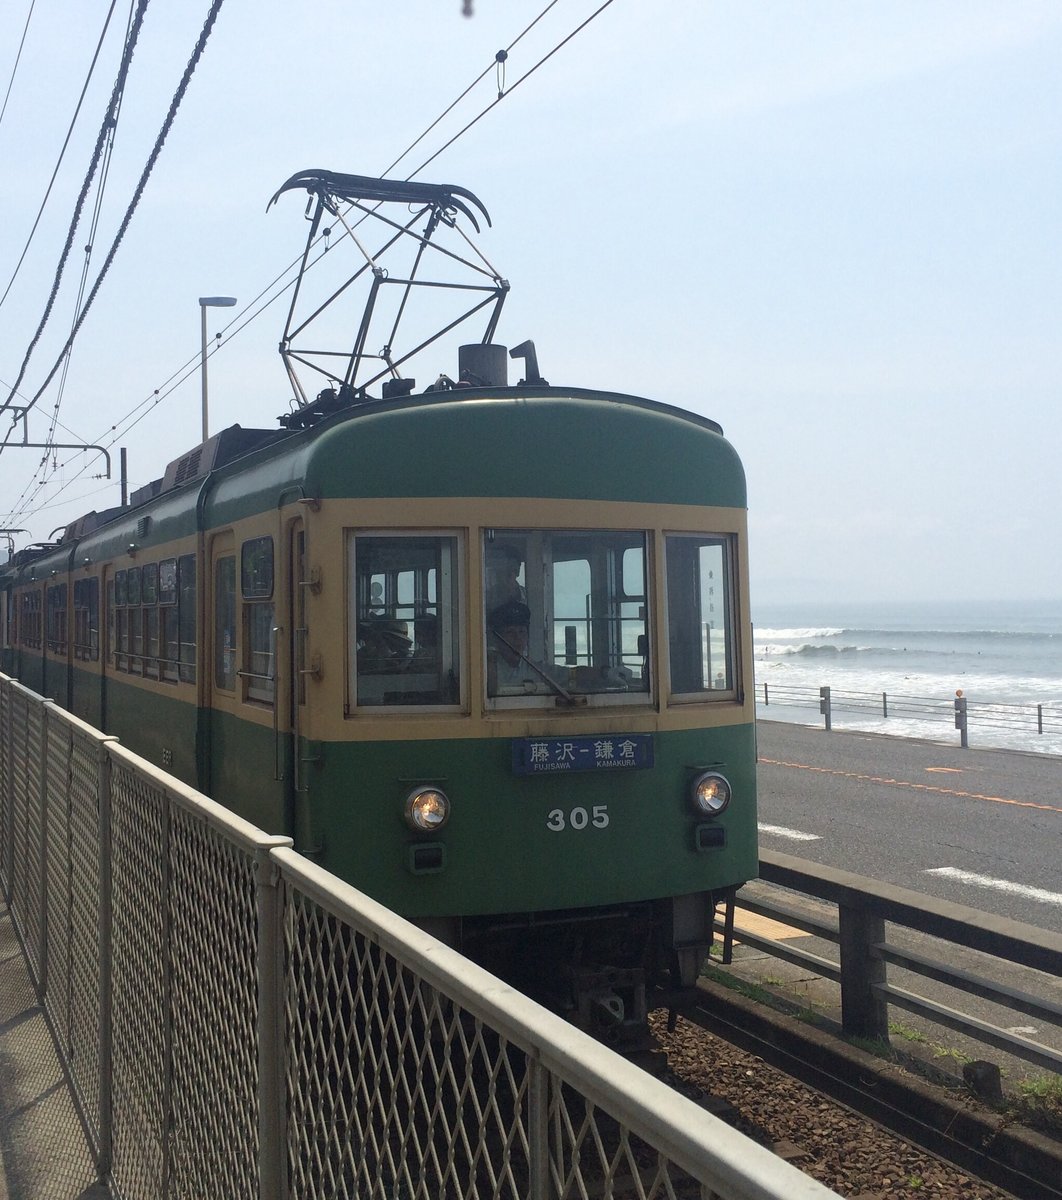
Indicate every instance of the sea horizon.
{"type": "Point", "coordinates": [1005, 658]}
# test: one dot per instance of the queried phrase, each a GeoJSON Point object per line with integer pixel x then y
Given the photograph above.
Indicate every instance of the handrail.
{"type": "Point", "coordinates": [1030, 718]}
{"type": "Point", "coordinates": [863, 907]}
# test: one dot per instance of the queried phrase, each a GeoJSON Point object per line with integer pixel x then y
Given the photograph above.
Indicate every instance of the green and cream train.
{"type": "Point", "coordinates": [483, 652]}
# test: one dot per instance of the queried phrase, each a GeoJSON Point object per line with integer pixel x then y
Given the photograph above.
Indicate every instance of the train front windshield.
{"type": "Point", "coordinates": [567, 614]}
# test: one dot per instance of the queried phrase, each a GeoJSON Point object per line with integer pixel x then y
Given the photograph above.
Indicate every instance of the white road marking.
{"type": "Point", "coordinates": [999, 885]}
{"type": "Point", "coordinates": [794, 835]}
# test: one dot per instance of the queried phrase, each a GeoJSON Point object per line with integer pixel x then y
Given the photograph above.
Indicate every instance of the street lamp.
{"type": "Point", "coordinates": [206, 302]}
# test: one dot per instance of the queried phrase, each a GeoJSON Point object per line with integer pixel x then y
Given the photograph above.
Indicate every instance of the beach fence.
{"type": "Point", "coordinates": [993, 723]}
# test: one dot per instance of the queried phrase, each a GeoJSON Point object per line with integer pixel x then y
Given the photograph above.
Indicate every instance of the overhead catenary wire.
{"type": "Point", "coordinates": [62, 152]}
{"type": "Point", "coordinates": [18, 57]}
{"type": "Point", "coordinates": [167, 123]}
{"type": "Point", "coordinates": [245, 316]}
{"type": "Point", "coordinates": [97, 153]}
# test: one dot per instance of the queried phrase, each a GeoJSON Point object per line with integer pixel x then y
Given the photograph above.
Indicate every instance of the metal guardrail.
{"type": "Point", "coordinates": [235, 1022]}
{"type": "Point", "coordinates": [863, 907]}
{"type": "Point", "coordinates": [960, 711]}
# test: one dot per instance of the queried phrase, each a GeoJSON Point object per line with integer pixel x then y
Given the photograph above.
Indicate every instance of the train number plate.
{"type": "Point", "coordinates": [612, 752]}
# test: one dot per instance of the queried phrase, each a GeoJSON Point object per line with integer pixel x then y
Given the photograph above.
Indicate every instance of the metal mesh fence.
{"type": "Point", "coordinates": [214, 1014]}
{"type": "Point", "coordinates": [276, 1035]}
{"type": "Point", "coordinates": [140, 969]}
{"type": "Point", "coordinates": [81, 977]}
{"type": "Point", "coordinates": [411, 1074]}
{"type": "Point", "coordinates": [26, 720]}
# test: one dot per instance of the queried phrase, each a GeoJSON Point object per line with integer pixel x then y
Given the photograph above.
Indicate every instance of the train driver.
{"type": "Point", "coordinates": [510, 667]}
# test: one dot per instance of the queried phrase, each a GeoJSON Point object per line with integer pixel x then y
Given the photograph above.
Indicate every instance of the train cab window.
{"type": "Point", "coordinates": [259, 650]}
{"type": "Point", "coordinates": [701, 632]}
{"type": "Point", "coordinates": [57, 618]}
{"type": "Point", "coordinates": [404, 629]}
{"type": "Point", "coordinates": [567, 615]}
{"type": "Point", "coordinates": [87, 619]}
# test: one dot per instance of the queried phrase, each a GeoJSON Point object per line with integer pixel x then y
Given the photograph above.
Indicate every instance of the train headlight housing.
{"type": "Point", "coordinates": [710, 794]}
{"type": "Point", "coordinates": [427, 809]}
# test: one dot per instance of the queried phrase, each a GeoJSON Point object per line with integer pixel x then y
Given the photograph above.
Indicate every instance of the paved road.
{"type": "Point", "coordinates": [978, 827]}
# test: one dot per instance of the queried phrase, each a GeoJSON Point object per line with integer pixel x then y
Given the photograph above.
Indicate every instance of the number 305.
{"type": "Point", "coordinates": [578, 818]}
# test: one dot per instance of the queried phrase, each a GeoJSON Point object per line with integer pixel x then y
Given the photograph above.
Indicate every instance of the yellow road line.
{"type": "Point", "coordinates": [906, 783]}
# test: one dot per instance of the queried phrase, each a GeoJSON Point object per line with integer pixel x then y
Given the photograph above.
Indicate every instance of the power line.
{"type": "Point", "coordinates": [112, 108]}
{"type": "Point", "coordinates": [184, 372]}
{"type": "Point", "coordinates": [62, 152]}
{"type": "Point", "coordinates": [175, 103]}
{"type": "Point", "coordinates": [18, 56]}
{"type": "Point", "coordinates": [167, 123]}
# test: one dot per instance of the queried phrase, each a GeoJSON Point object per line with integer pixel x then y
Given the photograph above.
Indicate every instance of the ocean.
{"type": "Point", "coordinates": [1005, 659]}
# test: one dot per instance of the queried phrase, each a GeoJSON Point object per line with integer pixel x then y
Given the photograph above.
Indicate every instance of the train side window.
{"type": "Point", "coordinates": [256, 590]}
{"type": "Point", "coordinates": [225, 623]}
{"type": "Point", "coordinates": [170, 632]}
{"type": "Point", "coordinates": [149, 595]}
{"type": "Point", "coordinates": [121, 623]}
{"type": "Point", "coordinates": [135, 618]}
{"type": "Point", "coordinates": [57, 618]}
{"type": "Point", "coordinates": [403, 613]}
{"type": "Point", "coordinates": [87, 619]}
{"type": "Point", "coordinates": [701, 631]}
{"type": "Point", "coordinates": [112, 640]}
{"type": "Point", "coordinates": [32, 625]}
{"type": "Point", "coordinates": [186, 617]}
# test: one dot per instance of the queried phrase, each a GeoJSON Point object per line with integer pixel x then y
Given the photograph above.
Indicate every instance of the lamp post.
{"type": "Point", "coordinates": [206, 302]}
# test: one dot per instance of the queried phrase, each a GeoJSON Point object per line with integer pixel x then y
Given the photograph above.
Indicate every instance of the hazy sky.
{"type": "Point", "coordinates": [831, 226]}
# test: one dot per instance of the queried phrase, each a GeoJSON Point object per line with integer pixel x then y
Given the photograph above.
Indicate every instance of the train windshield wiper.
{"type": "Point", "coordinates": [562, 692]}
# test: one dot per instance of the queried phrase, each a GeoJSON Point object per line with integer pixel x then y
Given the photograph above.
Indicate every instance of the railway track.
{"type": "Point", "coordinates": [860, 1124]}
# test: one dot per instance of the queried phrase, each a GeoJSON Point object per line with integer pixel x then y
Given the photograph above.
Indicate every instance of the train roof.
{"type": "Point", "coordinates": [543, 441]}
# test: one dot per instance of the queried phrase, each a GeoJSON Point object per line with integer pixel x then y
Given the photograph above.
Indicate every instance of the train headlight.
{"type": "Point", "coordinates": [710, 793]}
{"type": "Point", "coordinates": [427, 809]}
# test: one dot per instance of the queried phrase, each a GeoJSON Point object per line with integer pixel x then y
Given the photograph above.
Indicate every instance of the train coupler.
{"type": "Point", "coordinates": [609, 1002]}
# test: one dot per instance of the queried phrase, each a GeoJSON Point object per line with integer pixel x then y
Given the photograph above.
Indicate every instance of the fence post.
{"type": "Point", "coordinates": [825, 706]}
{"type": "Point", "coordinates": [960, 720]}
{"type": "Point", "coordinates": [863, 1012]}
{"type": "Point", "coordinates": [1039, 718]}
{"type": "Point", "coordinates": [884, 704]}
{"type": "Point", "coordinates": [766, 695]}
{"type": "Point", "coordinates": [538, 1130]}
{"type": "Point", "coordinates": [272, 1121]}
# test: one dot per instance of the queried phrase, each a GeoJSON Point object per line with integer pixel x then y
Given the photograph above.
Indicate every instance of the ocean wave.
{"type": "Point", "coordinates": [812, 650]}
{"type": "Point", "coordinates": [900, 633]}
{"type": "Point", "coordinates": [791, 635]}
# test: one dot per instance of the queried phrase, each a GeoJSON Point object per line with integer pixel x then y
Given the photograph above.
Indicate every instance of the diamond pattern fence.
{"type": "Point", "coordinates": [236, 1022]}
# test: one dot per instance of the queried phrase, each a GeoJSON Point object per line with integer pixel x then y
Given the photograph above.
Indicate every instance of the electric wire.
{"type": "Point", "coordinates": [62, 152]}
{"type": "Point", "coordinates": [119, 87]}
{"type": "Point", "coordinates": [125, 424]}
{"type": "Point", "coordinates": [167, 123]}
{"type": "Point", "coordinates": [18, 56]}
{"type": "Point", "coordinates": [137, 194]}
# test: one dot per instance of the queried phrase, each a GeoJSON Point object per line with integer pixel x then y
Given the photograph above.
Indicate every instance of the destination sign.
{"type": "Point", "coordinates": [607, 752]}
